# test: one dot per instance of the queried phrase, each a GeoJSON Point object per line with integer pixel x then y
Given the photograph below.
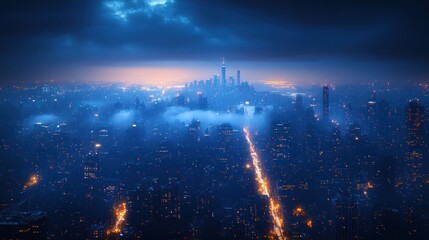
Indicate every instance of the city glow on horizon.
{"type": "Point", "coordinates": [154, 76]}
{"type": "Point", "coordinates": [283, 84]}
{"type": "Point", "coordinates": [171, 75]}
{"type": "Point", "coordinates": [264, 189]}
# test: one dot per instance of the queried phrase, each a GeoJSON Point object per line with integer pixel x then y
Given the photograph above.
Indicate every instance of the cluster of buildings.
{"type": "Point", "coordinates": [218, 81]}
{"type": "Point", "coordinates": [341, 167]}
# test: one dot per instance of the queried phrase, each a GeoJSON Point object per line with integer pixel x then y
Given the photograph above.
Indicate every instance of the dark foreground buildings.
{"type": "Point", "coordinates": [345, 163]}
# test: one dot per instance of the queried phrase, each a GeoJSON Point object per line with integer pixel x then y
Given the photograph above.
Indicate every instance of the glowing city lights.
{"type": "Point", "coordinates": [298, 212]}
{"type": "Point", "coordinates": [31, 182]}
{"type": "Point", "coordinates": [263, 184]}
{"type": "Point", "coordinates": [120, 211]}
{"type": "Point", "coordinates": [309, 223]}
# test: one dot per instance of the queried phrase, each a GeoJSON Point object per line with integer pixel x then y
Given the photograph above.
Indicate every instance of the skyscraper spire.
{"type": "Point", "coordinates": [223, 72]}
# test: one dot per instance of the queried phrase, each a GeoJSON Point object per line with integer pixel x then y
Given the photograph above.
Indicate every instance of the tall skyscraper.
{"type": "Point", "coordinates": [223, 73]}
{"type": "Point", "coordinates": [346, 218]}
{"type": "Point", "coordinates": [91, 168]}
{"type": "Point", "coordinates": [325, 102]}
{"type": "Point", "coordinates": [23, 225]}
{"type": "Point", "coordinates": [298, 103]}
{"type": "Point", "coordinates": [415, 174]}
{"type": "Point", "coordinates": [216, 80]}
{"type": "Point", "coordinates": [384, 182]}
{"type": "Point", "coordinates": [238, 78]}
{"type": "Point", "coordinates": [281, 148]}
{"type": "Point", "coordinates": [415, 118]}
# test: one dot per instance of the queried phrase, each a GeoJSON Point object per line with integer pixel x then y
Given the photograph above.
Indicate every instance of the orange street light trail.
{"type": "Point", "coordinates": [264, 189]}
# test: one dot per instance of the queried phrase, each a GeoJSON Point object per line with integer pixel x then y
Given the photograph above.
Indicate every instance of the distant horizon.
{"type": "Point", "coordinates": [180, 73]}
{"type": "Point", "coordinates": [177, 41]}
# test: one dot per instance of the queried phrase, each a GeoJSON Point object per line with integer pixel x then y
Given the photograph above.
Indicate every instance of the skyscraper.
{"type": "Point", "coordinates": [281, 148]}
{"type": "Point", "coordinates": [298, 103]}
{"type": "Point", "coordinates": [414, 177]}
{"type": "Point", "coordinates": [23, 225]}
{"type": "Point", "coordinates": [384, 183]}
{"type": "Point", "coordinates": [223, 73]}
{"type": "Point", "coordinates": [325, 102]}
{"type": "Point", "coordinates": [346, 218]}
{"type": "Point", "coordinates": [238, 78]}
{"type": "Point", "coordinates": [231, 81]}
{"type": "Point", "coordinates": [216, 80]}
{"type": "Point", "coordinates": [415, 118]}
{"type": "Point", "coordinates": [91, 167]}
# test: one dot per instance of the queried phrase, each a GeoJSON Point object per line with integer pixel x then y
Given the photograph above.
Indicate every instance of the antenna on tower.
{"type": "Point", "coordinates": [223, 60]}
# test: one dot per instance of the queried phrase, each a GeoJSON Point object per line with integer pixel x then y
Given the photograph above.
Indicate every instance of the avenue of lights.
{"type": "Point", "coordinates": [120, 211]}
{"type": "Point", "coordinates": [31, 182]}
{"type": "Point", "coordinates": [264, 189]}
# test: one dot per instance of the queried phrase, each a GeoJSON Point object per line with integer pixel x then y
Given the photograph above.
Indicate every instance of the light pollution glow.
{"type": "Point", "coordinates": [174, 73]}
{"type": "Point", "coordinates": [177, 74]}
{"type": "Point", "coordinates": [264, 189]}
{"type": "Point", "coordinates": [120, 212]}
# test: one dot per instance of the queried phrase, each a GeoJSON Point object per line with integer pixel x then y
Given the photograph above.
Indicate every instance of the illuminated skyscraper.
{"type": "Point", "coordinates": [223, 73]}
{"type": "Point", "coordinates": [298, 103]}
{"type": "Point", "coordinates": [281, 148]}
{"type": "Point", "coordinates": [415, 115]}
{"type": "Point", "coordinates": [415, 118]}
{"type": "Point", "coordinates": [91, 167]}
{"type": "Point", "coordinates": [225, 149]}
{"type": "Point", "coordinates": [325, 102]}
{"type": "Point", "coordinates": [414, 177]}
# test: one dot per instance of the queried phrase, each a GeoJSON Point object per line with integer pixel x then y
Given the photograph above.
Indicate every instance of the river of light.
{"type": "Point", "coordinates": [264, 189]}
{"type": "Point", "coordinates": [120, 212]}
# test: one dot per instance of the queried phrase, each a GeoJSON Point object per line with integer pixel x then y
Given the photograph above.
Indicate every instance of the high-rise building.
{"type": "Point", "coordinates": [223, 73]}
{"type": "Point", "coordinates": [225, 149]}
{"type": "Point", "coordinates": [298, 103]}
{"type": "Point", "coordinates": [202, 102]}
{"type": "Point", "coordinates": [414, 177]}
{"type": "Point", "coordinates": [231, 81]}
{"type": "Point", "coordinates": [326, 102]}
{"type": "Point", "coordinates": [384, 182]}
{"type": "Point", "coordinates": [238, 78]}
{"type": "Point", "coordinates": [216, 82]}
{"type": "Point", "coordinates": [23, 225]}
{"type": "Point", "coordinates": [387, 224]}
{"type": "Point", "coordinates": [415, 118]}
{"type": "Point", "coordinates": [346, 218]}
{"type": "Point", "coordinates": [91, 167]}
{"type": "Point", "coordinates": [281, 148]}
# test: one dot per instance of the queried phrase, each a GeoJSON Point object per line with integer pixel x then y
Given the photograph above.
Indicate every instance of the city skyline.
{"type": "Point", "coordinates": [173, 42]}
{"type": "Point", "coordinates": [217, 119]}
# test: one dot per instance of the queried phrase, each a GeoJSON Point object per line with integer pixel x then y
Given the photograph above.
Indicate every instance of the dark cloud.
{"type": "Point", "coordinates": [41, 35]}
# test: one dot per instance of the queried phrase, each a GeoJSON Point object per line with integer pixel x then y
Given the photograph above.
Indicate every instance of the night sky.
{"type": "Point", "coordinates": [167, 42]}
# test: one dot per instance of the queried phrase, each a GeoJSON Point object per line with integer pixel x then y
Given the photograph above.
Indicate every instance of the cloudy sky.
{"type": "Point", "coordinates": [174, 41]}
